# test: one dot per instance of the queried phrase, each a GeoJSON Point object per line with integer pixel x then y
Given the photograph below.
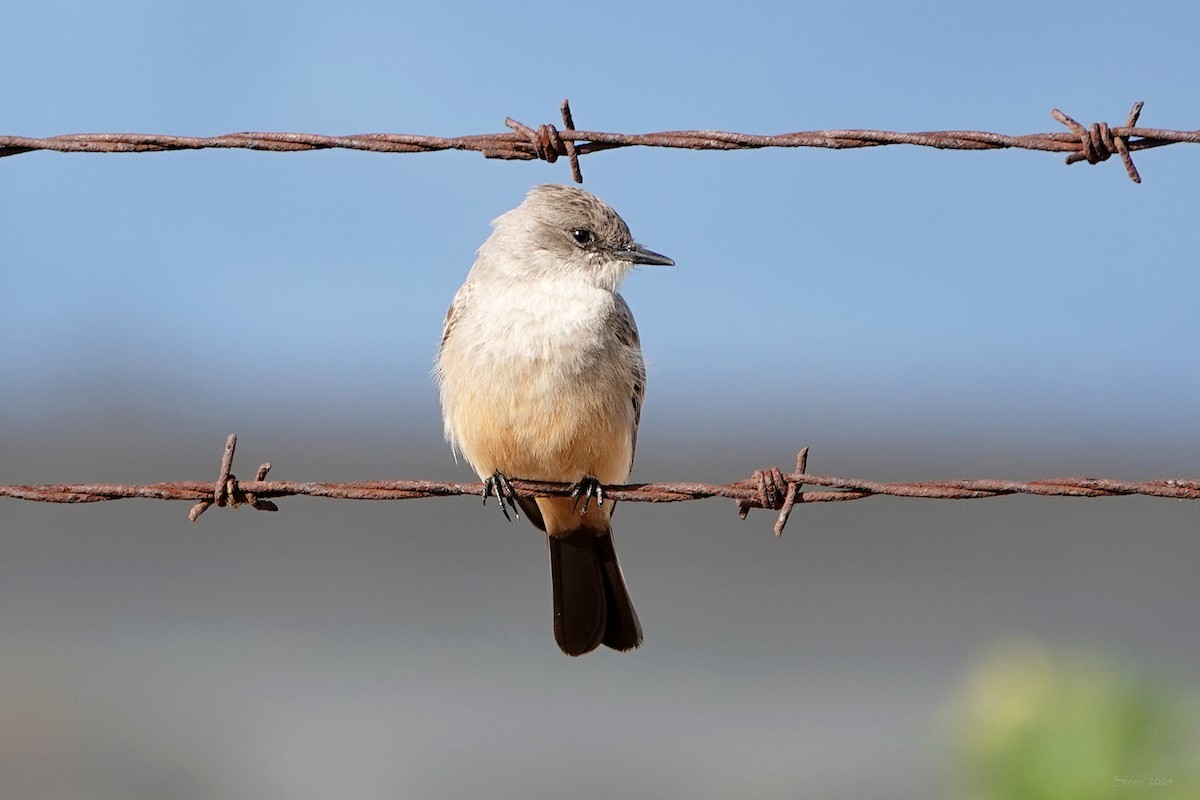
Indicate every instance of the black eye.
{"type": "Point", "coordinates": [582, 236]}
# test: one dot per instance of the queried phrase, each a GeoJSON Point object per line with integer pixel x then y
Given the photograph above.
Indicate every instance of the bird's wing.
{"type": "Point", "coordinates": [624, 329]}
{"type": "Point", "coordinates": [455, 311]}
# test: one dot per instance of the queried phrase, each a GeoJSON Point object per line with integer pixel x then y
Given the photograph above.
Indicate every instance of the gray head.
{"type": "Point", "coordinates": [562, 231]}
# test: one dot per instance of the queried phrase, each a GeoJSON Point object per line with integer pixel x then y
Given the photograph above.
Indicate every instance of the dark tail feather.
{"type": "Point", "coordinates": [591, 603]}
{"type": "Point", "coordinates": [622, 630]}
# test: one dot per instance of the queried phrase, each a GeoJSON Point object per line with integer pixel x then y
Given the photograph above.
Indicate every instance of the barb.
{"type": "Point", "coordinates": [1098, 142]}
{"type": "Point", "coordinates": [1093, 144]}
{"type": "Point", "coordinates": [767, 488]}
{"type": "Point", "coordinates": [227, 491]}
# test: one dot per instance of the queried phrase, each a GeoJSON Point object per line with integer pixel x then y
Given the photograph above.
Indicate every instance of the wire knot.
{"type": "Point", "coordinates": [227, 491]}
{"type": "Point", "coordinates": [1098, 143]}
{"type": "Point", "coordinates": [546, 143]}
{"type": "Point", "coordinates": [776, 492]}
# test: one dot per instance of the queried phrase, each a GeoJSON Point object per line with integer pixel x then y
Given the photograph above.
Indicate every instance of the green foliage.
{"type": "Point", "coordinates": [1039, 725]}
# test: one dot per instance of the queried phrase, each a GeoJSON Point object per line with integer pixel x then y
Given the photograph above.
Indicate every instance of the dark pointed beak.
{"type": "Point", "coordinates": [640, 255]}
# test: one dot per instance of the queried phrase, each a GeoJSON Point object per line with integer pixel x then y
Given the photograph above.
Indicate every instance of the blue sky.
{"type": "Point", "coordinates": [996, 282]}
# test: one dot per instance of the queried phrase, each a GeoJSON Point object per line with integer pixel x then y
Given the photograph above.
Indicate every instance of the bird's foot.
{"type": "Point", "coordinates": [587, 489]}
{"type": "Point", "coordinates": [498, 486]}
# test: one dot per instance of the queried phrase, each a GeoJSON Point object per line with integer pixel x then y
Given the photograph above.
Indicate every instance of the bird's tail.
{"type": "Point", "coordinates": [591, 602]}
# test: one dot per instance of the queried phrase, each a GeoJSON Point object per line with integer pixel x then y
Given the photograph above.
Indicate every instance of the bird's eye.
{"type": "Point", "coordinates": [582, 236]}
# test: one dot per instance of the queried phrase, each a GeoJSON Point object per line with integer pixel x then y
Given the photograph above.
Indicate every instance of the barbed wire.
{"type": "Point", "coordinates": [766, 488]}
{"type": "Point", "coordinates": [1093, 144]}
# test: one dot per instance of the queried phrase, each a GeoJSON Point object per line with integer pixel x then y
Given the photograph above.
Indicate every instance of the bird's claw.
{"type": "Point", "coordinates": [587, 488]}
{"type": "Point", "coordinates": [498, 486]}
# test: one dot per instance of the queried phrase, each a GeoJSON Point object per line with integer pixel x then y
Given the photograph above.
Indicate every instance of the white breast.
{"type": "Point", "coordinates": [534, 383]}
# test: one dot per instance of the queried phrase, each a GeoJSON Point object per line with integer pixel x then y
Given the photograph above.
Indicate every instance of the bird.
{"type": "Point", "coordinates": [541, 377]}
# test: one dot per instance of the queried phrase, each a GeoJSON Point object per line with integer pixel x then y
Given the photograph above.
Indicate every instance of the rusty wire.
{"type": "Point", "coordinates": [1094, 143]}
{"type": "Point", "coordinates": [768, 488]}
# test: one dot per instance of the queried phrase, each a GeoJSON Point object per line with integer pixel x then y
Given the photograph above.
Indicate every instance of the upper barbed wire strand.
{"type": "Point", "coordinates": [1093, 144]}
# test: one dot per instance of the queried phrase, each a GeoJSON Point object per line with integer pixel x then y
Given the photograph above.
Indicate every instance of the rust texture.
{"type": "Point", "coordinates": [1093, 144]}
{"type": "Point", "coordinates": [767, 488]}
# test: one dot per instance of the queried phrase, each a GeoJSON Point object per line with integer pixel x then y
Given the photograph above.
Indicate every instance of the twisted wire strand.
{"type": "Point", "coordinates": [768, 489]}
{"type": "Point", "coordinates": [1093, 144]}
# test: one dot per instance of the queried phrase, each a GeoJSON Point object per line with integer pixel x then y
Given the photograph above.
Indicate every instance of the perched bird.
{"type": "Point", "coordinates": [541, 377]}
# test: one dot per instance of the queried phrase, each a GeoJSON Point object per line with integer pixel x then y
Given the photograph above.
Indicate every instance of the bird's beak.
{"type": "Point", "coordinates": [640, 255]}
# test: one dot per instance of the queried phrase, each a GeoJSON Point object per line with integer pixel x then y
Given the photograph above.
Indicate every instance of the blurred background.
{"type": "Point", "coordinates": [907, 313]}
